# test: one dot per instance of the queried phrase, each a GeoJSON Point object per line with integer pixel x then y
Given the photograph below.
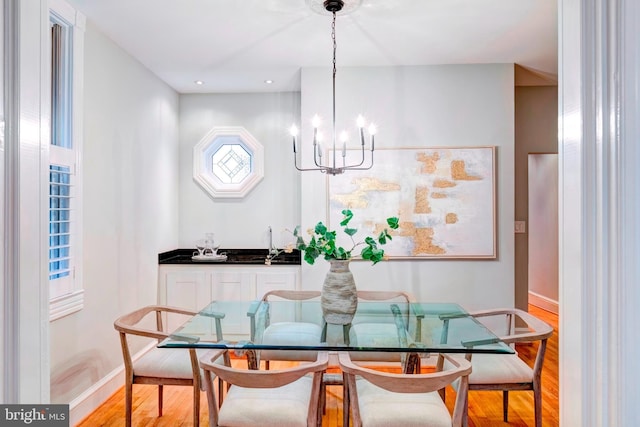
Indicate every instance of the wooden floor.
{"type": "Point", "coordinates": [485, 407]}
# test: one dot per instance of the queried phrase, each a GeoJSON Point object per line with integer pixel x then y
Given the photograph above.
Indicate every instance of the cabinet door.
{"type": "Point", "coordinates": [234, 285]}
{"type": "Point", "coordinates": [270, 280]}
{"type": "Point", "coordinates": [278, 279]}
{"type": "Point", "coordinates": [186, 289]}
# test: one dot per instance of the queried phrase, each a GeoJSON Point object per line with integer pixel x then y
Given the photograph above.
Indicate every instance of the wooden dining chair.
{"type": "Point", "coordinates": [266, 398]}
{"type": "Point", "coordinates": [508, 372]}
{"type": "Point", "coordinates": [160, 366]}
{"type": "Point", "coordinates": [395, 399]}
{"type": "Point", "coordinates": [288, 329]}
{"type": "Point", "coordinates": [368, 328]}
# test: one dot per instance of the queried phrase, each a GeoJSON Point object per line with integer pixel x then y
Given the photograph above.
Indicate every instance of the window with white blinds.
{"type": "Point", "coordinates": [59, 222]}
{"type": "Point", "coordinates": [65, 180]}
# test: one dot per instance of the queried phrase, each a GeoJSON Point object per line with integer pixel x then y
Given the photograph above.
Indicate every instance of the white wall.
{"type": "Point", "coordinates": [543, 231]}
{"type": "Point", "coordinates": [130, 209]}
{"type": "Point", "coordinates": [275, 201]}
{"type": "Point", "coordinates": [444, 105]}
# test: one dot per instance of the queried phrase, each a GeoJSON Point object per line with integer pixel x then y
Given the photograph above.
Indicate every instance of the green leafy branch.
{"type": "Point", "coordinates": [323, 241]}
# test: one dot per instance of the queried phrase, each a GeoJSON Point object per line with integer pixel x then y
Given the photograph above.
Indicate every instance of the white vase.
{"type": "Point", "coordinates": [339, 298]}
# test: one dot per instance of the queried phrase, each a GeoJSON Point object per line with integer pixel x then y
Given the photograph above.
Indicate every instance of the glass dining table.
{"type": "Point", "coordinates": [408, 331]}
{"type": "Point", "coordinates": [390, 327]}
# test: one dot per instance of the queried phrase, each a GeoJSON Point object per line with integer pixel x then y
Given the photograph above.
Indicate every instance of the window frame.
{"type": "Point", "coordinates": [210, 144]}
{"type": "Point", "coordinates": [66, 295]}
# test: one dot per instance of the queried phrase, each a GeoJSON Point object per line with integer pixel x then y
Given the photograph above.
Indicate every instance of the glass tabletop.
{"type": "Point", "coordinates": [299, 326]}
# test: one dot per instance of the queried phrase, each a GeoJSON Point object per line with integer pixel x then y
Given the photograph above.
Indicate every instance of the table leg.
{"type": "Point", "coordinates": [411, 364]}
{"type": "Point", "coordinates": [252, 360]}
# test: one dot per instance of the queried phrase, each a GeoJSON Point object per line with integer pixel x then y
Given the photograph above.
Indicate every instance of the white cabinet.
{"type": "Point", "coordinates": [194, 286]}
{"type": "Point", "coordinates": [185, 289]}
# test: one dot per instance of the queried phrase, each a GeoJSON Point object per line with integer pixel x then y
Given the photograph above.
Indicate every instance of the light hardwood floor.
{"type": "Point", "coordinates": [485, 407]}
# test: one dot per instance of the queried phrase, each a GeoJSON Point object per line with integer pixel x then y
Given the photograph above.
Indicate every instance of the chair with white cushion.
{"type": "Point", "coordinates": [380, 399]}
{"type": "Point", "coordinates": [288, 329]}
{"type": "Point", "coordinates": [159, 366]}
{"type": "Point", "coordinates": [375, 327]}
{"type": "Point", "coordinates": [266, 398]}
{"type": "Point", "coordinates": [507, 372]}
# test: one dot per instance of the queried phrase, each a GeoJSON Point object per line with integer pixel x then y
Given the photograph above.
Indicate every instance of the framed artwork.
{"type": "Point", "coordinates": [444, 197]}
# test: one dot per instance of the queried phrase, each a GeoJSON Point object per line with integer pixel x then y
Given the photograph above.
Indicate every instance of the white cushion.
{"type": "Point", "coordinates": [499, 369]}
{"type": "Point", "coordinates": [285, 406]}
{"type": "Point", "coordinates": [284, 333]}
{"type": "Point", "coordinates": [167, 363]}
{"type": "Point", "coordinates": [382, 408]}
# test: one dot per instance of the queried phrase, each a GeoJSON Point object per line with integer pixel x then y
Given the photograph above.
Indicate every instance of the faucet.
{"type": "Point", "coordinates": [271, 251]}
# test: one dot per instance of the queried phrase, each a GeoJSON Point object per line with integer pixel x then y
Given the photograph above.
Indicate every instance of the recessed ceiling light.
{"type": "Point", "coordinates": [199, 82]}
{"type": "Point", "coordinates": [268, 81]}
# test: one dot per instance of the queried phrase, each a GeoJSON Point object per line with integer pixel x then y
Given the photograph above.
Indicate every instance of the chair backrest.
{"type": "Point", "coordinates": [248, 378]}
{"type": "Point", "coordinates": [260, 316]}
{"type": "Point", "coordinates": [290, 295]}
{"type": "Point", "coordinates": [412, 383]}
{"type": "Point", "coordinates": [129, 324]}
{"type": "Point", "coordinates": [537, 331]}
{"type": "Point", "coordinates": [401, 298]}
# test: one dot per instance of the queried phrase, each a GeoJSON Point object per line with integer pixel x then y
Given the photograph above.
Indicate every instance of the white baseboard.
{"type": "Point", "coordinates": [97, 394]}
{"type": "Point", "coordinates": [543, 302]}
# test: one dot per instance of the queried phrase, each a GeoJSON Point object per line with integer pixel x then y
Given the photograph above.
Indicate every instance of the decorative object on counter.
{"type": "Point", "coordinates": [207, 250]}
{"type": "Point", "coordinates": [334, 6]}
{"type": "Point", "coordinates": [210, 246]}
{"type": "Point", "coordinates": [339, 298]}
{"type": "Point", "coordinates": [214, 258]}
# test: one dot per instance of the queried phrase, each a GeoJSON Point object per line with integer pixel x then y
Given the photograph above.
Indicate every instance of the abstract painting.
{"type": "Point", "coordinates": [443, 196]}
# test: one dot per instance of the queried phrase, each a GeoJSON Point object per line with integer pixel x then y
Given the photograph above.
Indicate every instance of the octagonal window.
{"type": "Point", "coordinates": [228, 162]}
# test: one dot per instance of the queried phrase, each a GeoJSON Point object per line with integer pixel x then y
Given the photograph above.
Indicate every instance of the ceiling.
{"type": "Point", "coordinates": [235, 45]}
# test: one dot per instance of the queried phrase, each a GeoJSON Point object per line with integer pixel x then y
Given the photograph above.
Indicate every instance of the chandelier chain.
{"type": "Point", "coordinates": [335, 46]}
{"type": "Point", "coordinates": [333, 38]}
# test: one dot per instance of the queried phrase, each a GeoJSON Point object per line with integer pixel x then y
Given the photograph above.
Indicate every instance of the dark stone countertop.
{"type": "Point", "coordinates": [234, 257]}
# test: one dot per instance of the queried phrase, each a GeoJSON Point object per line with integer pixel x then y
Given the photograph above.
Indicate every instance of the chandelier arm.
{"type": "Point", "coordinates": [322, 169]}
{"type": "Point", "coordinates": [358, 168]}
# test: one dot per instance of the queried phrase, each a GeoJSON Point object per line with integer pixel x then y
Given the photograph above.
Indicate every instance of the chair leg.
{"type": "Point", "coordinates": [128, 393]}
{"type": "Point", "coordinates": [505, 405]}
{"type": "Point", "coordinates": [160, 400]}
{"type": "Point", "coordinates": [465, 413]}
{"type": "Point", "coordinates": [537, 403]}
{"type": "Point", "coordinates": [196, 405]}
{"type": "Point", "coordinates": [220, 391]}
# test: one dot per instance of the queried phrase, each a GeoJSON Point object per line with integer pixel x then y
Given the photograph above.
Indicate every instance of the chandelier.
{"type": "Point", "coordinates": [330, 166]}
